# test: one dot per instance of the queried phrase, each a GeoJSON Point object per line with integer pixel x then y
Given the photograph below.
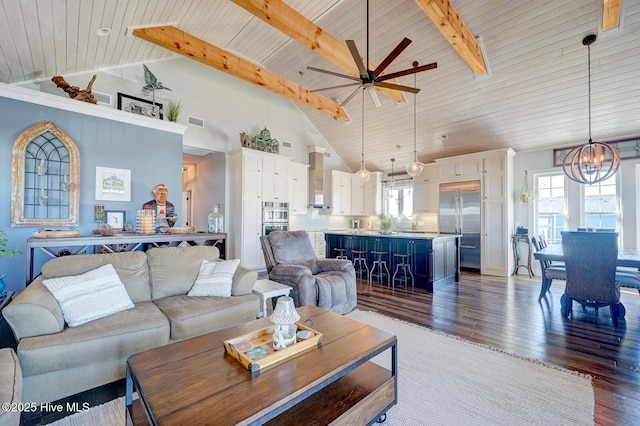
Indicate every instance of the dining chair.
{"type": "Point", "coordinates": [549, 270]}
{"type": "Point", "coordinates": [590, 260]}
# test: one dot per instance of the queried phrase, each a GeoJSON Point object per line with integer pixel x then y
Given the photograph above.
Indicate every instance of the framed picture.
{"type": "Point", "coordinates": [115, 218]}
{"type": "Point", "coordinates": [113, 184]}
{"type": "Point", "coordinates": [140, 106]}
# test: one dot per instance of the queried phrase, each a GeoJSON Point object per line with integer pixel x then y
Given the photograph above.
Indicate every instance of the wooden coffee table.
{"type": "Point", "coordinates": [195, 382]}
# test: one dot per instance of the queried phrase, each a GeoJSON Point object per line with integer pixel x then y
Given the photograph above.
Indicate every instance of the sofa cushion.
{"type": "Point", "coordinates": [215, 278]}
{"type": "Point", "coordinates": [131, 268]}
{"type": "Point", "coordinates": [193, 316]}
{"type": "Point", "coordinates": [119, 335]}
{"type": "Point", "coordinates": [10, 386]}
{"type": "Point", "coordinates": [89, 296]}
{"type": "Point", "coordinates": [173, 270]}
{"type": "Point", "coordinates": [293, 248]}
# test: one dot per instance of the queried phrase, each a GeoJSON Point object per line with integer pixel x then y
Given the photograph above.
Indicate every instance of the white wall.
{"type": "Point", "coordinates": [541, 161]}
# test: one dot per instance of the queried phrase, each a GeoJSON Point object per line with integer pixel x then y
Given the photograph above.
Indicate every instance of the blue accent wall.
{"type": "Point", "coordinates": [153, 156]}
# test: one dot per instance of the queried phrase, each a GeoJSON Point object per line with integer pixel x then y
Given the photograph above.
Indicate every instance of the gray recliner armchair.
{"type": "Point", "coordinates": [326, 283]}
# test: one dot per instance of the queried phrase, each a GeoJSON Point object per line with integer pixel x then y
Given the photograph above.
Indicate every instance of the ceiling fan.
{"type": "Point", "coordinates": [370, 79]}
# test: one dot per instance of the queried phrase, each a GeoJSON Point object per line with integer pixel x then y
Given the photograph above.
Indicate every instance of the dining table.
{"type": "Point", "coordinates": [627, 257]}
{"type": "Point", "coordinates": [628, 273]}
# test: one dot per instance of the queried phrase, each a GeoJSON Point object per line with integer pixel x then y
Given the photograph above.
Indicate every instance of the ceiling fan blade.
{"type": "Point", "coordinates": [364, 73]}
{"type": "Point", "coordinates": [391, 56]}
{"type": "Point", "coordinates": [335, 87]}
{"type": "Point", "coordinates": [397, 87]}
{"type": "Point", "coordinates": [374, 96]}
{"type": "Point", "coordinates": [355, 92]}
{"type": "Point", "coordinates": [408, 71]}
{"type": "Point", "coordinates": [337, 74]}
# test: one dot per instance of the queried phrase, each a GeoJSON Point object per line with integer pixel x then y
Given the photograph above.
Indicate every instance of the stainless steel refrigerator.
{"type": "Point", "coordinates": [460, 214]}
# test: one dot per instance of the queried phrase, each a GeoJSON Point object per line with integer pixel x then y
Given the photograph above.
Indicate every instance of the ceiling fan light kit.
{"type": "Point", "coordinates": [370, 79]}
{"type": "Point", "coordinates": [415, 167]}
{"type": "Point", "coordinates": [592, 162]}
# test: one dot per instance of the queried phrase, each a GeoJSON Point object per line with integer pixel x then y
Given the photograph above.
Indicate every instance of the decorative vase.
{"type": "Point", "coordinates": [215, 221]}
{"type": "Point", "coordinates": [3, 291]}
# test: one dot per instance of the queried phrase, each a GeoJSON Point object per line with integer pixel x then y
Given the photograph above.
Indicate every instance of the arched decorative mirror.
{"type": "Point", "coordinates": [45, 180]}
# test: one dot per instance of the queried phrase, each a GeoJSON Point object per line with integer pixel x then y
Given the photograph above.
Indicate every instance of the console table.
{"type": "Point", "coordinates": [521, 238]}
{"type": "Point", "coordinates": [126, 241]}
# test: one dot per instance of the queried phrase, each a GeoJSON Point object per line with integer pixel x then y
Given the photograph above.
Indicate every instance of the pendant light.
{"type": "Point", "coordinates": [363, 174]}
{"type": "Point", "coordinates": [592, 162]}
{"type": "Point", "coordinates": [415, 167]}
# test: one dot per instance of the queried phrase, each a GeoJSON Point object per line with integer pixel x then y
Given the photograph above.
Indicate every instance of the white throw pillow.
{"type": "Point", "coordinates": [92, 295]}
{"type": "Point", "coordinates": [215, 278]}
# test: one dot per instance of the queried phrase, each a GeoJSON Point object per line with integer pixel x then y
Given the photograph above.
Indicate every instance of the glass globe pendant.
{"type": "Point", "coordinates": [415, 167]}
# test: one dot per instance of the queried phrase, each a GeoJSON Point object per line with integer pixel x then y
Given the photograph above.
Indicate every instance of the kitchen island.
{"type": "Point", "coordinates": [435, 258]}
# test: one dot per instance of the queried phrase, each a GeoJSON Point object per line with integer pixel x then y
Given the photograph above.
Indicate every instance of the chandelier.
{"type": "Point", "coordinates": [363, 174]}
{"type": "Point", "coordinates": [592, 162]}
{"type": "Point", "coordinates": [415, 167]}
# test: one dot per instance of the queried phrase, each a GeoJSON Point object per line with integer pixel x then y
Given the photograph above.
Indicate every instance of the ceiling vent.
{"type": "Point", "coordinates": [194, 121]}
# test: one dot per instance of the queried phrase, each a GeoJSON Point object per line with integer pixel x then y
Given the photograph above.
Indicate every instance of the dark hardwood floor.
{"type": "Point", "coordinates": [505, 314]}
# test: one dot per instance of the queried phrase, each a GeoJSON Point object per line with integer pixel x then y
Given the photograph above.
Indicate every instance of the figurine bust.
{"type": "Point", "coordinates": [165, 211]}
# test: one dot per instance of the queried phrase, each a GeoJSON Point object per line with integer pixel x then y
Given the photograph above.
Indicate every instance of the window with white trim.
{"type": "Point", "coordinates": [550, 206]}
{"type": "Point", "coordinates": [600, 202]}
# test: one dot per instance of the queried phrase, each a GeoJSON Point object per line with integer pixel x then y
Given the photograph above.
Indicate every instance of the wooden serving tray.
{"type": "Point", "coordinates": [263, 339]}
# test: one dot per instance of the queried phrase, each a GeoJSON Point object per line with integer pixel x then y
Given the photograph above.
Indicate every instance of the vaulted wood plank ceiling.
{"type": "Point", "coordinates": [532, 95]}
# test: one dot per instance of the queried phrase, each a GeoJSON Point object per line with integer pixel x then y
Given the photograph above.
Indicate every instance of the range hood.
{"type": "Point", "coordinates": [316, 178]}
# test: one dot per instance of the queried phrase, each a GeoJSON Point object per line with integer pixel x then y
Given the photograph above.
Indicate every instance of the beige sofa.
{"type": "Point", "coordinates": [58, 361]}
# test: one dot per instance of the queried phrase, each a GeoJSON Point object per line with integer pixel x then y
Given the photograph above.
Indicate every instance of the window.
{"type": "Point", "coordinates": [601, 205]}
{"type": "Point", "coordinates": [550, 206]}
{"type": "Point", "coordinates": [398, 199]}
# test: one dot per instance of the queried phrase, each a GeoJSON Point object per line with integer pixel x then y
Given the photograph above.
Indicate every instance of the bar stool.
{"type": "Point", "coordinates": [405, 266]}
{"type": "Point", "coordinates": [382, 266]}
{"type": "Point", "coordinates": [360, 262]}
{"type": "Point", "coordinates": [341, 253]}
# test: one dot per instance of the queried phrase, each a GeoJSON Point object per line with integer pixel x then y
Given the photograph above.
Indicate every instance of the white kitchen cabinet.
{"type": "Point", "coordinates": [426, 191]}
{"type": "Point", "coordinates": [494, 169]}
{"type": "Point", "coordinates": [339, 191]}
{"type": "Point", "coordinates": [497, 209]}
{"type": "Point", "coordinates": [357, 196]}
{"type": "Point", "coordinates": [318, 243]}
{"type": "Point", "coordinates": [257, 177]}
{"type": "Point", "coordinates": [366, 196]}
{"type": "Point", "coordinates": [298, 188]}
{"type": "Point", "coordinates": [458, 169]}
{"type": "Point", "coordinates": [275, 178]}
{"type": "Point", "coordinates": [372, 200]}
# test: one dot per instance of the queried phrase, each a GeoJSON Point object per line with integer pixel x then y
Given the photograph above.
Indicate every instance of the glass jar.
{"type": "Point", "coordinates": [215, 221]}
{"type": "Point", "coordinates": [146, 221]}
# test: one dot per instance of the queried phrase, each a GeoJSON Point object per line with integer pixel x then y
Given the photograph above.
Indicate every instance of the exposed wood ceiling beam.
{"type": "Point", "coordinates": [287, 20]}
{"type": "Point", "coordinates": [178, 41]}
{"type": "Point", "coordinates": [447, 21]}
{"type": "Point", "coordinates": [611, 14]}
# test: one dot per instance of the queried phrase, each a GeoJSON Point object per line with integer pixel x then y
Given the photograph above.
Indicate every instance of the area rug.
{"type": "Point", "coordinates": [111, 413]}
{"type": "Point", "coordinates": [445, 380]}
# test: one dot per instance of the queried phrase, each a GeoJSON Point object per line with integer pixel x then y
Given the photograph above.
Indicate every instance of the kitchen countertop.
{"type": "Point", "coordinates": [400, 234]}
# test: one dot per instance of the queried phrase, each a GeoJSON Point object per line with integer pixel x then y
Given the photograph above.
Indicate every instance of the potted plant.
{"type": "Point", "coordinates": [173, 109]}
{"type": "Point", "coordinates": [386, 224]}
{"type": "Point", "coordinates": [5, 252]}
